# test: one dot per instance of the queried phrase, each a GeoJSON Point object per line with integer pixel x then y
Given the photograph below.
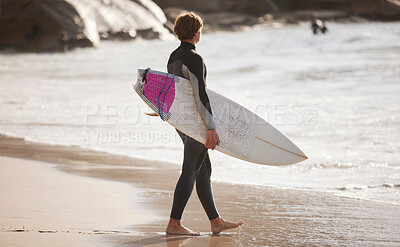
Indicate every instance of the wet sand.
{"type": "Point", "coordinates": [42, 206]}
{"type": "Point", "coordinates": [273, 217]}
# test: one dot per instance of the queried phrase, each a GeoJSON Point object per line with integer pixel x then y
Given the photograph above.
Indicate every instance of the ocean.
{"type": "Point", "coordinates": [337, 96]}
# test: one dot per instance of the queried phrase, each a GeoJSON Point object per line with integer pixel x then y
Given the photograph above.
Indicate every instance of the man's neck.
{"type": "Point", "coordinates": [191, 41]}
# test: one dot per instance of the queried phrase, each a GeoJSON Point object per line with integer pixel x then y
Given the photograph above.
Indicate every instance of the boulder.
{"type": "Point", "coordinates": [57, 25]}
{"type": "Point", "coordinates": [33, 25]}
{"type": "Point", "coordinates": [205, 6]}
{"type": "Point", "coordinates": [386, 10]}
{"type": "Point", "coordinates": [372, 9]}
{"type": "Point", "coordinates": [124, 19]}
{"type": "Point", "coordinates": [173, 12]}
{"type": "Point", "coordinates": [313, 5]}
{"type": "Point", "coordinates": [227, 21]}
{"type": "Point", "coordinates": [255, 7]}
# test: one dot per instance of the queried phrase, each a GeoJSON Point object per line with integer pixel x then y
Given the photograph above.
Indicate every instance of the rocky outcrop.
{"type": "Point", "coordinates": [215, 21]}
{"type": "Point", "coordinates": [372, 9]}
{"type": "Point", "coordinates": [125, 19]}
{"type": "Point", "coordinates": [39, 25]}
{"type": "Point", "coordinates": [253, 7]}
{"type": "Point", "coordinates": [56, 25]}
{"type": "Point", "coordinates": [386, 10]}
{"type": "Point", "coordinates": [228, 21]}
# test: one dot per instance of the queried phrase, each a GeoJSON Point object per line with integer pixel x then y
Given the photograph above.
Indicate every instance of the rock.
{"type": "Point", "coordinates": [148, 33]}
{"type": "Point", "coordinates": [119, 35]}
{"type": "Point", "coordinates": [172, 13]}
{"type": "Point", "coordinates": [153, 9]}
{"type": "Point", "coordinates": [215, 21]}
{"type": "Point", "coordinates": [56, 25]}
{"type": "Point", "coordinates": [312, 5]}
{"type": "Point", "coordinates": [205, 6]}
{"type": "Point", "coordinates": [372, 9]}
{"type": "Point", "coordinates": [255, 7]}
{"type": "Point", "coordinates": [121, 19]}
{"type": "Point", "coordinates": [33, 25]}
{"type": "Point", "coordinates": [386, 10]}
{"type": "Point", "coordinates": [227, 21]}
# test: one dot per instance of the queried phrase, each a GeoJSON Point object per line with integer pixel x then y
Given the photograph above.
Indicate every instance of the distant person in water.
{"type": "Point", "coordinates": [314, 25]}
{"type": "Point", "coordinates": [318, 25]}
{"type": "Point", "coordinates": [196, 168]}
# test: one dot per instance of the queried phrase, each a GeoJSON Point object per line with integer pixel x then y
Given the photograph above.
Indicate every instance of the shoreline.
{"type": "Point", "coordinates": [278, 217]}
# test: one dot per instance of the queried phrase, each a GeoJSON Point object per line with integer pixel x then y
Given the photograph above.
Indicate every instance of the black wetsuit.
{"type": "Point", "coordinates": [187, 63]}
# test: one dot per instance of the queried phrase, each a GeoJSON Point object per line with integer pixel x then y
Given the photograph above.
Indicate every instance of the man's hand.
{"type": "Point", "coordinates": [212, 139]}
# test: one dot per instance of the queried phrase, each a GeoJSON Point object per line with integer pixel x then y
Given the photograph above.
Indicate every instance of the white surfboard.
{"type": "Point", "coordinates": [242, 133]}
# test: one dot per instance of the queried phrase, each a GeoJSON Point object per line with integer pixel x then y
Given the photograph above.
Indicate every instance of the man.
{"type": "Point", "coordinates": [187, 63]}
{"type": "Point", "coordinates": [314, 25]}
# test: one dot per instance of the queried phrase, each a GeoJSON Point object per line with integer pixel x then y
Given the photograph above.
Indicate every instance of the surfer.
{"type": "Point", "coordinates": [196, 168]}
{"type": "Point", "coordinates": [314, 25]}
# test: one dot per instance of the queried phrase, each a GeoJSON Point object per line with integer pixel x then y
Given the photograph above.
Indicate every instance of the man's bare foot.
{"type": "Point", "coordinates": [175, 228]}
{"type": "Point", "coordinates": [218, 225]}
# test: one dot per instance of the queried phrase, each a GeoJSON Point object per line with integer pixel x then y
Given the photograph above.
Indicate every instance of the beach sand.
{"type": "Point", "coordinates": [273, 217]}
{"type": "Point", "coordinates": [41, 206]}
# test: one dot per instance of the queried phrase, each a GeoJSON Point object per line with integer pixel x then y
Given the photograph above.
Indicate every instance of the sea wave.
{"type": "Point", "coordinates": [348, 165]}
{"type": "Point", "coordinates": [360, 37]}
{"type": "Point", "coordinates": [365, 187]}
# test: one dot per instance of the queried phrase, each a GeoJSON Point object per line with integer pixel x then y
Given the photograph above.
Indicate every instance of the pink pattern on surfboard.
{"type": "Point", "coordinates": [154, 85]}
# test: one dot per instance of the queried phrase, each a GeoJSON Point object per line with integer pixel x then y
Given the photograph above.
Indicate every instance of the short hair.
{"type": "Point", "coordinates": [187, 25]}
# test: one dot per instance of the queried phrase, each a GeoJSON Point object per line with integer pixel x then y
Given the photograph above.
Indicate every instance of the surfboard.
{"type": "Point", "coordinates": [242, 133]}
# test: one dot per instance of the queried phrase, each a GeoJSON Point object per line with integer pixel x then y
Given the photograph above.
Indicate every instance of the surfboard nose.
{"type": "Point", "coordinates": [267, 153]}
{"type": "Point", "coordinates": [272, 147]}
{"type": "Point", "coordinates": [296, 150]}
{"type": "Point", "coordinates": [303, 154]}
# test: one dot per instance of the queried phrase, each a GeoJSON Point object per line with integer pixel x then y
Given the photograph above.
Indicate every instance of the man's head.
{"type": "Point", "coordinates": [187, 26]}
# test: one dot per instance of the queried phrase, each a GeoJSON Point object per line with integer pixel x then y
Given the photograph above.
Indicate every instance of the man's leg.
{"type": "Point", "coordinates": [194, 153]}
{"type": "Point", "coordinates": [204, 189]}
{"type": "Point", "coordinates": [193, 156]}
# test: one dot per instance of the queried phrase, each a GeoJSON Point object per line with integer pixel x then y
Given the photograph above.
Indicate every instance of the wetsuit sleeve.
{"type": "Point", "coordinates": [195, 69]}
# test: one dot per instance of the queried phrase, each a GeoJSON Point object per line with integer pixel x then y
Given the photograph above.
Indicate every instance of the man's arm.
{"type": "Point", "coordinates": [195, 69]}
